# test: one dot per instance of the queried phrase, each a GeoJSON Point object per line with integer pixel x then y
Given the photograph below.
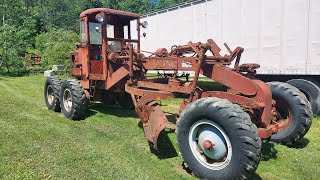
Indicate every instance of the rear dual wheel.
{"type": "Point", "coordinates": [218, 140]}
{"type": "Point", "coordinates": [73, 100]}
{"type": "Point", "coordinates": [51, 93]}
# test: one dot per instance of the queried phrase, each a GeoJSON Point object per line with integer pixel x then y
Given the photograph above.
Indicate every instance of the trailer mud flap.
{"type": "Point", "coordinates": [157, 121]}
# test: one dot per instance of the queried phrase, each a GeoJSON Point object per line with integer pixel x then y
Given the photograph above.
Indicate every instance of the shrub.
{"type": "Point", "coordinates": [55, 47]}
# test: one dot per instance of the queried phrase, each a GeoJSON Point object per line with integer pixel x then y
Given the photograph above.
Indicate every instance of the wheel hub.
{"type": "Point", "coordinates": [210, 145]}
{"type": "Point", "coordinates": [50, 94]}
{"type": "Point", "coordinates": [211, 142]}
{"type": "Point", "coordinates": [67, 100]}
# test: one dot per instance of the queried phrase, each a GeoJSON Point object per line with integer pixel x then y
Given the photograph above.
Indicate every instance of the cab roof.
{"type": "Point", "coordinates": [109, 11]}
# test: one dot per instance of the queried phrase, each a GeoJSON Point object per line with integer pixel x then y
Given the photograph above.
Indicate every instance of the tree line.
{"type": "Point", "coordinates": [50, 28]}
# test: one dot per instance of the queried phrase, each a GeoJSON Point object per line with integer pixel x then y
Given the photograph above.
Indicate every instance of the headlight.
{"type": "Point", "coordinates": [99, 18]}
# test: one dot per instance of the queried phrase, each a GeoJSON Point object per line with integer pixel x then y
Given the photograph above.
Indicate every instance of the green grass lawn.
{"type": "Point", "coordinates": [39, 144]}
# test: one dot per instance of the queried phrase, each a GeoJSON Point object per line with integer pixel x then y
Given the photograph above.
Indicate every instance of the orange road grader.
{"type": "Point", "coordinates": [219, 132]}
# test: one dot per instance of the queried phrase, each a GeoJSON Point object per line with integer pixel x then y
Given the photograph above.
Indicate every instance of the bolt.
{"type": "Point", "coordinates": [208, 145]}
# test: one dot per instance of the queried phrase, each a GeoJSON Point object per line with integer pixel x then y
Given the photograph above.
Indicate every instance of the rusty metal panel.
{"type": "Point", "coordinates": [117, 76]}
{"type": "Point", "coordinates": [84, 60]}
{"type": "Point", "coordinates": [159, 64]}
{"type": "Point", "coordinates": [157, 122]}
{"type": "Point", "coordinates": [76, 71]}
{"type": "Point", "coordinates": [96, 67]}
{"type": "Point", "coordinates": [233, 80]}
{"type": "Point", "coordinates": [109, 11]}
{"type": "Point", "coordinates": [165, 87]}
{"type": "Point", "coordinates": [85, 84]}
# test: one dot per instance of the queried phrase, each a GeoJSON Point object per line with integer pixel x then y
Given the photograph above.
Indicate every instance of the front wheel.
{"type": "Point", "coordinates": [218, 140]}
{"type": "Point", "coordinates": [293, 111]}
{"type": "Point", "coordinates": [310, 90]}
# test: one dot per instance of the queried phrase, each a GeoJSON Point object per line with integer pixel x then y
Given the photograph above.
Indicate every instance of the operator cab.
{"type": "Point", "coordinates": [103, 32]}
{"type": "Point", "coordinates": [121, 28]}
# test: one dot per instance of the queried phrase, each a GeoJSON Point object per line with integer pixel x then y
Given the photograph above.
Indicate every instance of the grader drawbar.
{"type": "Point", "coordinates": [219, 132]}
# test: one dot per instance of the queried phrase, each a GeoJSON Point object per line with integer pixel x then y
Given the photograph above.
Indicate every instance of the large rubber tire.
{"type": "Point", "coordinates": [73, 100]}
{"type": "Point", "coordinates": [294, 107]}
{"type": "Point", "coordinates": [310, 90]}
{"type": "Point", "coordinates": [237, 127]}
{"type": "Point", "coordinates": [314, 81]}
{"type": "Point", "coordinates": [51, 93]}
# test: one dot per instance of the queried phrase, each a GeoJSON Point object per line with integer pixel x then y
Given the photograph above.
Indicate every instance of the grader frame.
{"type": "Point", "coordinates": [125, 70]}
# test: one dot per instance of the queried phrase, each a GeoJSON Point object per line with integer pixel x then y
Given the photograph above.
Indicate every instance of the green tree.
{"type": "Point", "coordinates": [49, 27]}
{"type": "Point", "coordinates": [14, 42]}
{"type": "Point", "coordinates": [167, 3]}
{"type": "Point", "coordinates": [136, 6]}
{"type": "Point", "coordinates": [55, 46]}
{"type": "Point", "coordinates": [16, 34]}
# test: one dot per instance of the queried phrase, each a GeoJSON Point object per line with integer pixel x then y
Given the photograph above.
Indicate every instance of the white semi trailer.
{"type": "Point", "coordinates": [283, 36]}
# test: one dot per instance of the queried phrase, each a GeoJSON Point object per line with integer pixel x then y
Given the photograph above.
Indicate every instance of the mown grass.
{"type": "Point", "coordinates": [39, 144]}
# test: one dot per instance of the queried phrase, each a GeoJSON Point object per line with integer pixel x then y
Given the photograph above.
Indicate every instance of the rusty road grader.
{"type": "Point", "coordinates": [219, 132]}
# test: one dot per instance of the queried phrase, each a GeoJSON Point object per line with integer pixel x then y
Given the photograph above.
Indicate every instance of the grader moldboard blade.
{"type": "Point", "coordinates": [152, 117]}
{"type": "Point", "coordinates": [157, 121]}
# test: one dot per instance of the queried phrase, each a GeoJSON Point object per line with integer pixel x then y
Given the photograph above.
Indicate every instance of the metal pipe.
{"type": "Point", "coordinates": [104, 45]}
{"type": "Point", "coordinates": [122, 57]}
{"type": "Point", "coordinates": [131, 63]}
{"type": "Point", "coordinates": [197, 72]}
{"type": "Point", "coordinates": [138, 29]}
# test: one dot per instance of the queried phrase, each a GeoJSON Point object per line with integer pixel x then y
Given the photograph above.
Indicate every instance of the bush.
{"type": "Point", "coordinates": [55, 47]}
{"type": "Point", "coordinates": [14, 41]}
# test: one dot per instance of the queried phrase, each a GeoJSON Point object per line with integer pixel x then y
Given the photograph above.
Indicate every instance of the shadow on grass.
{"type": "Point", "coordinates": [14, 74]}
{"type": "Point", "coordinates": [172, 118]}
{"type": "Point", "coordinates": [88, 113]}
{"type": "Point", "coordinates": [166, 148]}
{"type": "Point", "coordinates": [302, 143]}
{"type": "Point", "coordinates": [268, 151]}
{"type": "Point", "coordinates": [114, 110]}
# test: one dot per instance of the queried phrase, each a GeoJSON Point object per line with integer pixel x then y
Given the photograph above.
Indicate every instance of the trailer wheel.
{"type": "Point", "coordinates": [294, 110]}
{"type": "Point", "coordinates": [125, 100]}
{"type": "Point", "coordinates": [310, 90]}
{"type": "Point", "coordinates": [73, 100]}
{"type": "Point", "coordinates": [218, 140]}
{"type": "Point", "coordinates": [51, 93]}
